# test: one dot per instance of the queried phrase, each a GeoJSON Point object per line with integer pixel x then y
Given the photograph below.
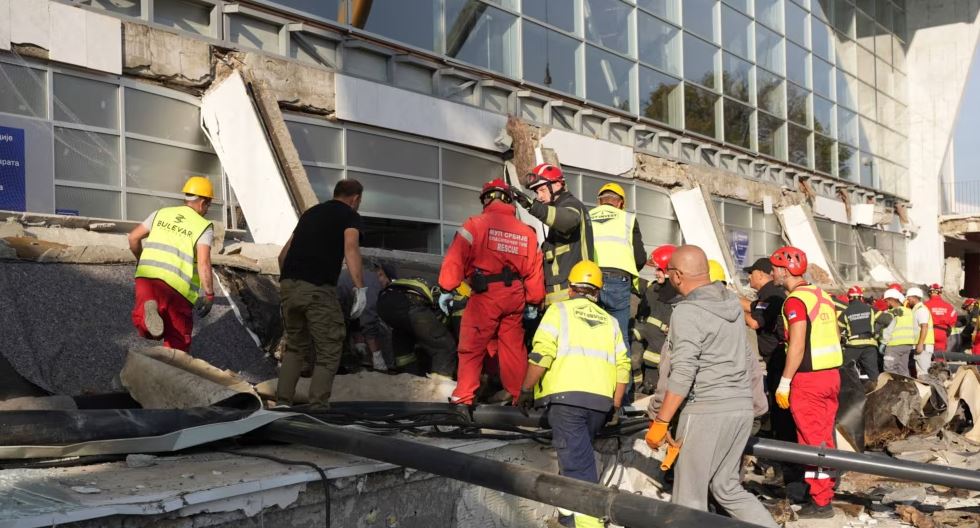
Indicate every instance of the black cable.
{"type": "Point", "coordinates": [287, 462]}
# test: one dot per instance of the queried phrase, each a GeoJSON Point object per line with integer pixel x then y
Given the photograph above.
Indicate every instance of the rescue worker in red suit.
{"type": "Point", "coordinates": [810, 382]}
{"type": "Point", "coordinates": [498, 256]}
{"type": "Point", "coordinates": [943, 316]}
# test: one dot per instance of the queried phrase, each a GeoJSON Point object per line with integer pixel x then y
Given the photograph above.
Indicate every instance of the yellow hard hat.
{"type": "Point", "coordinates": [613, 187]}
{"type": "Point", "coordinates": [716, 272]}
{"type": "Point", "coordinates": [464, 289]}
{"type": "Point", "coordinates": [199, 186]}
{"type": "Point", "coordinates": [585, 273]}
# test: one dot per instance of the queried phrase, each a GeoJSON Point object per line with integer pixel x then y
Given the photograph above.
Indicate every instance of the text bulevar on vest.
{"type": "Point", "coordinates": [170, 249]}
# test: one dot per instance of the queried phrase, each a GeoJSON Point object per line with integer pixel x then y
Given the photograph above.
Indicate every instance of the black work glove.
{"type": "Point", "coordinates": [522, 199]}
{"type": "Point", "coordinates": [525, 402]}
{"type": "Point", "coordinates": [613, 419]}
{"type": "Point", "coordinates": [204, 304]}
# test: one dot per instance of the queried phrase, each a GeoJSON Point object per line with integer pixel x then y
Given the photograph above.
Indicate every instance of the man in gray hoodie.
{"type": "Point", "coordinates": [711, 376]}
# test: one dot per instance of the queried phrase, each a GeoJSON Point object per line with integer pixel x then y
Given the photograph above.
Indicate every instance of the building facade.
{"type": "Point", "coordinates": [828, 96]}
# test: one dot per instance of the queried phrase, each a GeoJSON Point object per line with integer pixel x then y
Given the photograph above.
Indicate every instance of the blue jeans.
{"type": "Point", "coordinates": [572, 431]}
{"type": "Point", "coordinates": [615, 298]}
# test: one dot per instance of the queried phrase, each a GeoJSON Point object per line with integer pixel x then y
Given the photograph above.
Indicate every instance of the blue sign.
{"type": "Point", "coordinates": [738, 243]}
{"type": "Point", "coordinates": [13, 196]}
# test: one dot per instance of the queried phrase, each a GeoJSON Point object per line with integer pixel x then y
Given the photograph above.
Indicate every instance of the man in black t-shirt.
{"type": "Point", "coordinates": [310, 262]}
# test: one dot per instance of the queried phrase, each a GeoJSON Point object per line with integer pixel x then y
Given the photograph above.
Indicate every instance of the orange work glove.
{"type": "Point", "coordinates": [673, 449]}
{"type": "Point", "coordinates": [782, 393]}
{"type": "Point", "coordinates": [656, 434]}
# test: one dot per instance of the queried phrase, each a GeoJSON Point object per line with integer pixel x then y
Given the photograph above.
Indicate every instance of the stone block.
{"type": "Point", "coordinates": [164, 56]}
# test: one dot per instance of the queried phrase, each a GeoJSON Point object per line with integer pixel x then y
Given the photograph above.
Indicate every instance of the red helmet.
{"type": "Point", "coordinates": [499, 187]}
{"type": "Point", "coordinates": [934, 287]}
{"type": "Point", "coordinates": [791, 258]}
{"type": "Point", "coordinates": [855, 291]}
{"type": "Point", "coordinates": [660, 257]}
{"type": "Point", "coordinates": [896, 286]}
{"type": "Point", "coordinates": [543, 174]}
{"type": "Point", "coordinates": [967, 303]}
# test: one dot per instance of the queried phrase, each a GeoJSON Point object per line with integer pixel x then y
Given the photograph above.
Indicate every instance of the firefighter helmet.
{"type": "Point", "coordinates": [660, 257]}
{"type": "Point", "coordinates": [543, 174]}
{"type": "Point", "coordinates": [496, 189]}
{"type": "Point", "coordinates": [855, 291]}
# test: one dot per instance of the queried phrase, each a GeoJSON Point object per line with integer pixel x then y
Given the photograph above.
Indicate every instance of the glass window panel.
{"type": "Point", "coordinates": [796, 64]}
{"type": "Point", "coordinates": [184, 15]}
{"type": "Point", "coordinates": [549, 58]}
{"type": "Point", "coordinates": [798, 140]}
{"type": "Point", "coordinates": [822, 39]}
{"type": "Point", "coordinates": [660, 44]}
{"type": "Point", "coordinates": [23, 90]}
{"type": "Point", "coordinates": [846, 90]}
{"type": "Point", "coordinates": [796, 24]}
{"type": "Point", "coordinates": [312, 49]}
{"type": "Point", "coordinates": [316, 143]}
{"type": "Point", "coordinates": [869, 134]}
{"type": "Point", "coordinates": [900, 25]}
{"type": "Point", "coordinates": [481, 35]}
{"type": "Point", "coordinates": [410, 21]}
{"type": "Point", "coordinates": [607, 23]}
{"type": "Point", "coordinates": [866, 30]}
{"type": "Point", "coordinates": [657, 231]}
{"type": "Point", "coordinates": [884, 14]}
{"type": "Point", "coordinates": [253, 33]}
{"type": "Point", "coordinates": [131, 8]}
{"type": "Point", "coordinates": [884, 76]}
{"type": "Point", "coordinates": [608, 79]}
{"type": "Point", "coordinates": [459, 204]}
{"type": "Point", "coordinates": [898, 54]}
{"type": "Point", "coordinates": [139, 206]}
{"type": "Point", "coordinates": [558, 13]}
{"type": "Point", "coordinates": [770, 134]}
{"type": "Point", "coordinates": [847, 162]}
{"type": "Point", "coordinates": [656, 203]}
{"type": "Point", "coordinates": [735, 77]}
{"type": "Point", "coordinates": [665, 9]}
{"type": "Point", "coordinates": [866, 100]}
{"type": "Point", "coordinates": [382, 153]}
{"type": "Point", "coordinates": [769, 50]}
{"type": "Point", "coordinates": [699, 110]}
{"type": "Point", "coordinates": [659, 96]}
{"type": "Point", "coordinates": [164, 168]}
{"type": "Point", "coordinates": [770, 93]}
{"type": "Point", "coordinates": [735, 28]}
{"type": "Point", "coordinates": [770, 13]}
{"type": "Point", "coordinates": [868, 171]}
{"type": "Point", "coordinates": [844, 17]}
{"type": "Point", "coordinates": [744, 6]}
{"type": "Point", "coordinates": [737, 215]}
{"type": "Point", "coordinates": [847, 55]}
{"type": "Point", "coordinates": [86, 156]}
{"type": "Point", "coordinates": [796, 103]}
{"type": "Point", "coordinates": [823, 111]}
{"type": "Point", "coordinates": [823, 149]}
{"type": "Point", "coordinates": [461, 168]}
{"type": "Point", "coordinates": [323, 180]}
{"type": "Point", "coordinates": [386, 196]}
{"type": "Point", "coordinates": [158, 116]}
{"type": "Point", "coordinates": [847, 126]}
{"type": "Point", "coordinates": [94, 203]}
{"type": "Point", "coordinates": [329, 9]}
{"type": "Point", "coordinates": [699, 61]}
{"type": "Point", "coordinates": [823, 82]}
{"type": "Point", "coordinates": [738, 119]}
{"type": "Point", "coordinates": [86, 102]}
{"type": "Point", "coordinates": [699, 17]}
{"type": "Point", "coordinates": [883, 46]}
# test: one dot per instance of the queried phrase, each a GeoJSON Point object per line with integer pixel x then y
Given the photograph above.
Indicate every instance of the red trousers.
{"type": "Point", "coordinates": [813, 403]}
{"type": "Point", "coordinates": [941, 335]}
{"type": "Point", "coordinates": [492, 320]}
{"type": "Point", "coordinates": [176, 311]}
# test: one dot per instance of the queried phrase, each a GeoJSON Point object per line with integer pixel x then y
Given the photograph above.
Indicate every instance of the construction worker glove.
{"type": "Point", "coordinates": [656, 434]}
{"type": "Point", "coordinates": [204, 305]}
{"type": "Point", "coordinates": [782, 393]}
{"type": "Point", "coordinates": [445, 299]}
{"type": "Point", "coordinates": [525, 402]}
{"type": "Point", "coordinates": [360, 302]}
{"type": "Point", "coordinates": [522, 199]}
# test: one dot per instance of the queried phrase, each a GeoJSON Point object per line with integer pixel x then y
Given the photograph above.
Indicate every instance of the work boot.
{"type": "Point", "coordinates": [152, 320]}
{"type": "Point", "coordinates": [812, 511]}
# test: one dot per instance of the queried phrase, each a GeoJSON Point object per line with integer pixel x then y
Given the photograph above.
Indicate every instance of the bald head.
{"type": "Point", "coordinates": [688, 269]}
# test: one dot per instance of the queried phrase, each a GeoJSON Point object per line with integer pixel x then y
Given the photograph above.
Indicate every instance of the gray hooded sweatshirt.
{"type": "Point", "coordinates": [711, 362]}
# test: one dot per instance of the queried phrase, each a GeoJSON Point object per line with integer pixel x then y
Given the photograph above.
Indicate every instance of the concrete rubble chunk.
{"type": "Point", "coordinates": [7, 252]}
{"type": "Point", "coordinates": [165, 57]}
{"type": "Point", "coordinates": [235, 261]}
{"type": "Point", "coordinates": [905, 496]}
{"type": "Point", "coordinates": [91, 255]}
{"type": "Point", "coordinates": [915, 517]}
{"type": "Point", "coordinates": [11, 228]}
{"type": "Point", "coordinates": [41, 403]}
{"type": "Point", "coordinates": [140, 460]}
{"type": "Point", "coordinates": [34, 249]}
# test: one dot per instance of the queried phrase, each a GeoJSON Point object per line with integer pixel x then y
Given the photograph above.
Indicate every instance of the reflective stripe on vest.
{"type": "Point", "coordinates": [931, 332]}
{"type": "Point", "coordinates": [612, 232]}
{"type": "Point", "coordinates": [904, 331]}
{"type": "Point", "coordinates": [824, 346]}
{"type": "Point", "coordinates": [169, 250]}
{"type": "Point", "coordinates": [863, 325]}
{"type": "Point", "coordinates": [414, 285]}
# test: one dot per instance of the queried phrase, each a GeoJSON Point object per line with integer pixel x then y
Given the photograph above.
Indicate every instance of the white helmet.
{"type": "Point", "coordinates": [915, 292]}
{"type": "Point", "coordinates": [892, 293]}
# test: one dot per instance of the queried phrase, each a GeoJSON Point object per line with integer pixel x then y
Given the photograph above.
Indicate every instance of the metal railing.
{"type": "Point", "coordinates": [960, 197]}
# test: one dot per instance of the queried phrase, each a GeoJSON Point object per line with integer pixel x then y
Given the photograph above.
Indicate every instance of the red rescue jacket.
{"type": "Point", "coordinates": [943, 314]}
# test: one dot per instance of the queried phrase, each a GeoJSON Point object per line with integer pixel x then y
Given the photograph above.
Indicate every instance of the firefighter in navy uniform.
{"type": "Point", "coordinates": [652, 322]}
{"type": "Point", "coordinates": [857, 328]}
{"type": "Point", "coordinates": [408, 307]}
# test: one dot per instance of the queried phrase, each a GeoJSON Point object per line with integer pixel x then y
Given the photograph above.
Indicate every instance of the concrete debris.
{"type": "Point", "coordinates": [782, 511]}
{"type": "Point", "coordinates": [914, 517]}
{"type": "Point", "coordinates": [33, 249]}
{"type": "Point", "coordinates": [11, 228]}
{"type": "Point", "coordinates": [7, 252]}
{"type": "Point", "coordinates": [102, 226]}
{"type": "Point", "coordinates": [165, 57]}
{"type": "Point", "coordinates": [964, 389]}
{"type": "Point", "coordinates": [236, 262]}
{"type": "Point", "coordinates": [257, 299]}
{"type": "Point", "coordinates": [38, 403]}
{"type": "Point", "coordinates": [140, 461]}
{"type": "Point", "coordinates": [86, 490]}
{"type": "Point", "coordinates": [90, 255]}
{"type": "Point", "coordinates": [165, 378]}
{"type": "Point", "coordinates": [905, 496]}
{"type": "Point", "coordinates": [371, 386]}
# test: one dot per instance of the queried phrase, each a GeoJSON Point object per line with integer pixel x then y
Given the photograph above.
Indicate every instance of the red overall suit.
{"type": "Point", "coordinates": [492, 242]}
{"type": "Point", "coordinates": [943, 319]}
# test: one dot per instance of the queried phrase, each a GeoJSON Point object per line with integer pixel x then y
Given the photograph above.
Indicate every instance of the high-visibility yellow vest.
{"type": "Point", "coordinates": [931, 333]}
{"type": "Point", "coordinates": [612, 236]}
{"type": "Point", "coordinates": [823, 350]}
{"type": "Point", "coordinates": [580, 346]}
{"type": "Point", "coordinates": [169, 252]}
{"type": "Point", "coordinates": [904, 331]}
{"type": "Point", "coordinates": [858, 321]}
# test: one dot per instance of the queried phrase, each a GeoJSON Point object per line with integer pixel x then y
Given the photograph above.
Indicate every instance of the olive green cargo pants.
{"type": "Point", "coordinates": [312, 317]}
